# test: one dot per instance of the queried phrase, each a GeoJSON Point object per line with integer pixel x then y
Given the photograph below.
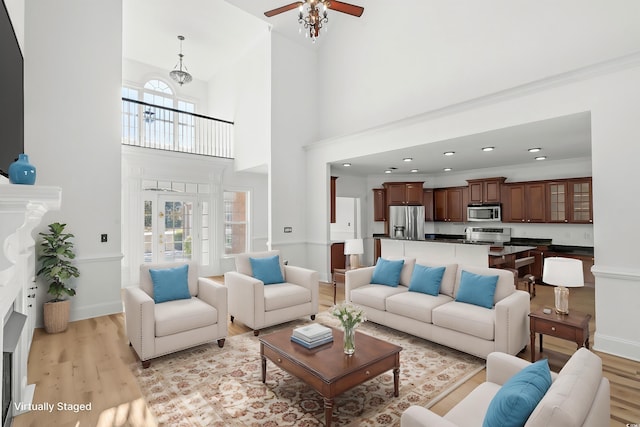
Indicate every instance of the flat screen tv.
{"type": "Point", "coordinates": [11, 93]}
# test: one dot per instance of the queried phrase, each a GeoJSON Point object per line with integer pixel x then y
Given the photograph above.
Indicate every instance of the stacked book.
{"type": "Point", "coordinates": [312, 336]}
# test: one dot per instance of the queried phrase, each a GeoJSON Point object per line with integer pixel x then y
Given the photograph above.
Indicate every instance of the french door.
{"type": "Point", "coordinates": [169, 228]}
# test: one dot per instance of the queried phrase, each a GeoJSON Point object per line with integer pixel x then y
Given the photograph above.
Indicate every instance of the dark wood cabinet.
{"type": "Point", "coordinates": [404, 193]}
{"type": "Point", "coordinates": [581, 200]}
{"type": "Point", "coordinates": [427, 202]}
{"type": "Point", "coordinates": [333, 199]}
{"type": "Point", "coordinates": [337, 256]}
{"type": "Point", "coordinates": [487, 190]}
{"type": "Point", "coordinates": [524, 202]}
{"type": "Point", "coordinates": [570, 201]}
{"type": "Point", "coordinates": [379, 204]}
{"type": "Point", "coordinates": [448, 204]}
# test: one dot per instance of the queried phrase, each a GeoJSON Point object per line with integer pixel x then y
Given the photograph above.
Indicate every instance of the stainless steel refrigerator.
{"type": "Point", "coordinates": [406, 222]}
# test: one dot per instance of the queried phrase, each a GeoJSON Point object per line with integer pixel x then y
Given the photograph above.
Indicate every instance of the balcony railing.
{"type": "Point", "coordinates": [163, 128]}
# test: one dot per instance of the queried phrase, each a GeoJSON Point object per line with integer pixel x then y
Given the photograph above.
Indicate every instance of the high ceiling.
{"type": "Point", "coordinates": [559, 138]}
{"type": "Point", "coordinates": [218, 31]}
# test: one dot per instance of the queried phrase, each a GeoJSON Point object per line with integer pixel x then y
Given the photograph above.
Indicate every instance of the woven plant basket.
{"type": "Point", "coordinates": [56, 316]}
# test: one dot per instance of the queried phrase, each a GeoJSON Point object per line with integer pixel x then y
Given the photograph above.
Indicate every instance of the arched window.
{"type": "Point", "coordinates": [157, 125]}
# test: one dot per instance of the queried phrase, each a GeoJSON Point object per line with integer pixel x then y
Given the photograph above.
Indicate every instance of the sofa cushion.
{"type": "Point", "coordinates": [283, 295]}
{"type": "Point", "coordinates": [506, 284]}
{"type": "Point", "coordinates": [469, 412]}
{"type": "Point", "coordinates": [518, 397]}
{"type": "Point", "coordinates": [267, 269]}
{"type": "Point", "coordinates": [177, 316]}
{"type": "Point", "coordinates": [375, 296]}
{"type": "Point", "coordinates": [447, 286]}
{"type": "Point", "coordinates": [570, 397]}
{"type": "Point", "coordinates": [466, 318]}
{"type": "Point", "coordinates": [387, 272]}
{"type": "Point", "coordinates": [415, 305]}
{"type": "Point", "coordinates": [243, 265]}
{"type": "Point", "coordinates": [477, 289]}
{"type": "Point", "coordinates": [426, 280]}
{"type": "Point", "coordinates": [170, 284]}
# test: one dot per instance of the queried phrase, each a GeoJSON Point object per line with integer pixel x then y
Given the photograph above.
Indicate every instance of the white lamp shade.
{"type": "Point", "coordinates": [353, 246]}
{"type": "Point", "coordinates": [565, 272]}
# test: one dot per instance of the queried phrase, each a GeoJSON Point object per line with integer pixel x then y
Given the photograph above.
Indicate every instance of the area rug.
{"type": "Point", "coordinates": [212, 386]}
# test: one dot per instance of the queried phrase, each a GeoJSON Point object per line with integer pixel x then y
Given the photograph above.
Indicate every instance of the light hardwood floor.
{"type": "Point", "coordinates": [90, 363]}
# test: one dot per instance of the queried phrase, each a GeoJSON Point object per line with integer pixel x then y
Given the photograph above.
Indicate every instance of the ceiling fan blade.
{"type": "Point", "coordinates": [279, 10]}
{"type": "Point", "coordinates": [347, 8]}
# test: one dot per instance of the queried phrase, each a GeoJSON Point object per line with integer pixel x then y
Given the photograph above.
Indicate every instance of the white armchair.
{"type": "Point", "coordinates": [258, 305]}
{"type": "Point", "coordinates": [158, 329]}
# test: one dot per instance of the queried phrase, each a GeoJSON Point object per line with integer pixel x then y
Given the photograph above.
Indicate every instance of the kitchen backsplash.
{"type": "Point", "coordinates": [560, 234]}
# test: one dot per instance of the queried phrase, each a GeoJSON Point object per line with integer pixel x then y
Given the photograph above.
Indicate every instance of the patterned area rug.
{"type": "Point", "coordinates": [211, 386]}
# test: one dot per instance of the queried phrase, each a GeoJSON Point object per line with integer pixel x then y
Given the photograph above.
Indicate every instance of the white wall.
{"type": "Point", "coordinates": [293, 125]}
{"type": "Point", "coordinates": [16, 13]}
{"type": "Point", "coordinates": [610, 93]}
{"type": "Point", "coordinates": [242, 93]}
{"type": "Point", "coordinates": [73, 73]}
{"type": "Point", "coordinates": [396, 62]}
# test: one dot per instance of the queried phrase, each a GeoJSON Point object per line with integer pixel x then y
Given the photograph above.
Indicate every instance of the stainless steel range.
{"type": "Point", "coordinates": [493, 235]}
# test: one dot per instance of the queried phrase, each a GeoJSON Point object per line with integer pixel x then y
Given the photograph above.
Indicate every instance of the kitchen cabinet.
{"type": "Point", "coordinates": [570, 201]}
{"type": "Point", "coordinates": [333, 199]}
{"type": "Point", "coordinates": [581, 201]}
{"type": "Point", "coordinates": [379, 204]}
{"type": "Point", "coordinates": [337, 256]}
{"type": "Point", "coordinates": [524, 202]}
{"type": "Point", "coordinates": [558, 201]}
{"type": "Point", "coordinates": [487, 190]}
{"type": "Point", "coordinates": [404, 193]}
{"type": "Point", "coordinates": [427, 201]}
{"type": "Point", "coordinates": [448, 204]}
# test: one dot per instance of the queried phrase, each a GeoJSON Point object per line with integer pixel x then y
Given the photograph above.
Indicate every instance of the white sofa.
{"type": "Point", "coordinates": [578, 396]}
{"type": "Point", "coordinates": [470, 328]}
{"type": "Point", "coordinates": [258, 305]}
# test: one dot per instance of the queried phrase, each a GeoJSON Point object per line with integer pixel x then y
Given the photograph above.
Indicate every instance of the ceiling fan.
{"type": "Point", "coordinates": [314, 19]}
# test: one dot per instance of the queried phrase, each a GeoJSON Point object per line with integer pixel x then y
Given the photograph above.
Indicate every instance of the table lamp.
{"type": "Point", "coordinates": [563, 273]}
{"type": "Point", "coordinates": [354, 247]}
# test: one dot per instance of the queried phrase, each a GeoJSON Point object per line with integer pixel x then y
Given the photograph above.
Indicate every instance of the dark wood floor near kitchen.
{"type": "Point", "coordinates": [90, 363]}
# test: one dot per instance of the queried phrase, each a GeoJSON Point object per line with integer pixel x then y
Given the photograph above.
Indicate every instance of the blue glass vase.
{"type": "Point", "coordinates": [22, 172]}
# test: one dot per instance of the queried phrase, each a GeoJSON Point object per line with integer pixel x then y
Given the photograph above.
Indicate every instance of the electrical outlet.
{"type": "Point", "coordinates": [103, 238]}
{"type": "Point", "coordinates": [288, 229]}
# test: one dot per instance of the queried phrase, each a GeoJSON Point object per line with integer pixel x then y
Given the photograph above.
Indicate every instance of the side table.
{"type": "Point", "coordinates": [573, 327]}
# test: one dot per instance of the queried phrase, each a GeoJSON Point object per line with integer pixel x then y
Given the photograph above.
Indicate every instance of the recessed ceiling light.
{"type": "Point", "coordinates": [414, 170]}
{"type": "Point", "coordinates": [541, 158]}
{"type": "Point", "coordinates": [346, 165]}
{"type": "Point", "coordinates": [407, 159]}
{"type": "Point", "coordinates": [387, 171]}
{"type": "Point", "coordinates": [488, 148]}
{"type": "Point", "coordinates": [534, 149]}
{"type": "Point", "coordinates": [447, 169]}
{"type": "Point", "coordinates": [449, 153]}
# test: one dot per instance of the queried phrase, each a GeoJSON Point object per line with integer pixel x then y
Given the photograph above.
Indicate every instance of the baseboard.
{"type": "Point", "coordinates": [91, 311]}
{"type": "Point", "coordinates": [616, 346]}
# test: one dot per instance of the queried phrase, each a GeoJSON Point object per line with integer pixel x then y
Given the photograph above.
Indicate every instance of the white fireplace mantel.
{"type": "Point", "coordinates": [21, 210]}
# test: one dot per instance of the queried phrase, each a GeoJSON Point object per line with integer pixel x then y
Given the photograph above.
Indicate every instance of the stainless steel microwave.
{"type": "Point", "coordinates": [485, 213]}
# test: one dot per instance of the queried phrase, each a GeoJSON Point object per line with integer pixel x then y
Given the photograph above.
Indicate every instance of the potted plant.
{"type": "Point", "coordinates": [56, 253]}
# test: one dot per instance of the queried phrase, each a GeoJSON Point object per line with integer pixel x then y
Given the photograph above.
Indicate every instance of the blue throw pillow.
{"type": "Point", "coordinates": [387, 272]}
{"type": "Point", "coordinates": [426, 279]}
{"type": "Point", "coordinates": [519, 396]}
{"type": "Point", "coordinates": [170, 284]}
{"type": "Point", "coordinates": [476, 289]}
{"type": "Point", "coordinates": [267, 269]}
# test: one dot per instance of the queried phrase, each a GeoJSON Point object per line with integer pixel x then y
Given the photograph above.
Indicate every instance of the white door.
{"type": "Point", "coordinates": [169, 237]}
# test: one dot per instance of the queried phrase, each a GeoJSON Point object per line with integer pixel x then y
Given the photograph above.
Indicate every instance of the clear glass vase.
{"type": "Point", "coordinates": [349, 340]}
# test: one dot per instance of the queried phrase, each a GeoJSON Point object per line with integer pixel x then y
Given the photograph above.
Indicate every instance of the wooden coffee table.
{"type": "Point", "coordinates": [326, 368]}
